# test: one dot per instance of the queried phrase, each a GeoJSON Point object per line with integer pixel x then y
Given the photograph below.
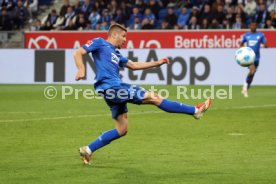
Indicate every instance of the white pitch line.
{"type": "Point", "coordinates": [249, 107]}
{"type": "Point", "coordinates": [71, 117]}
{"type": "Point", "coordinates": [244, 107]}
{"type": "Point", "coordinates": [15, 112]}
{"type": "Point", "coordinates": [235, 134]}
{"type": "Point", "coordinates": [130, 113]}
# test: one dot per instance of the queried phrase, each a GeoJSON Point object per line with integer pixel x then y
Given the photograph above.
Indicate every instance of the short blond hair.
{"type": "Point", "coordinates": [116, 27]}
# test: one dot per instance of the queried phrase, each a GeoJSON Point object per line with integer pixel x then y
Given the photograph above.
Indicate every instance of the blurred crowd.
{"type": "Point", "coordinates": [14, 13]}
{"type": "Point", "coordinates": [144, 14]}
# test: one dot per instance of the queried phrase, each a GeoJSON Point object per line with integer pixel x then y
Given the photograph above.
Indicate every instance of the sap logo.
{"type": "Point", "coordinates": [171, 74]}
{"type": "Point", "coordinates": [187, 67]}
{"type": "Point", "coordinates": [42, 57]}
{"type": "Point", "coordinates": [42, 42]}
{"type": "Point", "coordinates": [114, 58]}
{"type": "Point", "coordinates": [252, 42]}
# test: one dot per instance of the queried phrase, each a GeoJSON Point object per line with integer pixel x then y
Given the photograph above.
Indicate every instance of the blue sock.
{"type": "Point", "coordinates": [176, 107]}
{"type": "Point", "coordinates": [104, 139]}
{"type": "Point", "coordinates": [249, 80]}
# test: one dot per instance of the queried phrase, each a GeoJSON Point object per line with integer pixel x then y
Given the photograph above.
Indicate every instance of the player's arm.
{"type": "Point", "coordinates": [79, 63]}
{"type": "Point", "coordinates": [264, 41]}
{"type": "Point", "coordinates": [243, 41]}
{"type": "Point", "coordinates": [241, 44]}
{"type": "Point", "coordinates": [145, 65]}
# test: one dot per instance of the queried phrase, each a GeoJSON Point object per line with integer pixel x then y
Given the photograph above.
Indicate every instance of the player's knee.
{"type": "Point", "coordinates": [122, 124]}
{"type": "Point", "coordinates": [122, 130]}
{"type": "Point", "coordinates": [124, 133]}
{"type": "Point", "coordinates": [252, 72]}
{"type": "Point", "coordinates": [153, 98]}
{"type": "Point", "coordinates": [157, 99]}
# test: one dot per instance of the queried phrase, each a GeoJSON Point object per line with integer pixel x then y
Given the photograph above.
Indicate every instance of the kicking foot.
{"type": "Point", "coordinates": [244, 92]}
{"type": "Point", "coordinates": [85, 156]}
{"type": "Point", "coordinates": [202, 108]}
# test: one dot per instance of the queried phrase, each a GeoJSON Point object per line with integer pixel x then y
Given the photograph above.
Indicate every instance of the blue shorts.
{"type": "Point", "coordinates": [117, 97]}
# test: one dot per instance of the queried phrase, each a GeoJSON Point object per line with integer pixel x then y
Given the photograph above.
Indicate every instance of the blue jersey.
{"type": "Point", "coordinates": [254, 41]}
{"type": "Point", "coordinates": [108, 61]}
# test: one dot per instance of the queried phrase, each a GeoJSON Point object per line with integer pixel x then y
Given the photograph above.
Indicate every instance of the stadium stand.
{"type": "Point", "coordinates": [99, 14]}
{"type": "Point", "coordinates": [16, 16]}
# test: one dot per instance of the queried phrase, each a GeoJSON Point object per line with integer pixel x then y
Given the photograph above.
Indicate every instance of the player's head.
{"type": "Point", "coordinates": [253, 26]}
{"type": "Point", "coordinates": [117, 35]}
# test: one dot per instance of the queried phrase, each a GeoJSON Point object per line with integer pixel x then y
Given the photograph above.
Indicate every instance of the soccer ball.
{"type": "Point", "coordinates": [245, 56]}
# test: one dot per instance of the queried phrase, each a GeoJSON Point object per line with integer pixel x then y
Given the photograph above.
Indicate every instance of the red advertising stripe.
{"type": "Point", "coordinates": [146, 39]}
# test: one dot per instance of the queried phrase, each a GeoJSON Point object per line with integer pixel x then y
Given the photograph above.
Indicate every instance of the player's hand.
{"type": "Point", "coordinates": [80, 75]}
{"type": "Point", "coordinates": [164, 61]}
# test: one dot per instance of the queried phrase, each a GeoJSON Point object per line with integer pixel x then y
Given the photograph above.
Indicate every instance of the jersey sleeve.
{"type": "Point", "coordinates": [263, 40]}
{"type": "Point", "coordinates": [123, 61]}
{"type": "Point", "coordinates": [92, 45]}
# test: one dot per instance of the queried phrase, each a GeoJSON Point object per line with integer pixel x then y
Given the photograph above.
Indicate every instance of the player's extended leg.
{"type": "Point", "coordinates": [121, 124]}
{"type": "Point", "coordinates": [176, 107]}
{"type": "Point", "coordinates": [249, 79]}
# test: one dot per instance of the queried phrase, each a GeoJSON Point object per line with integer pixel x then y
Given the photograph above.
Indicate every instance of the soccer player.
{"type": "Point", "coordinates": [254, 40]}
{"type": "Point", "coordinates": [108, 84]}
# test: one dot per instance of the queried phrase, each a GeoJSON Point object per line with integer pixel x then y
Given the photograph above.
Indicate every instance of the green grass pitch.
{"type": "Point", "coordinates": [234, 143]}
